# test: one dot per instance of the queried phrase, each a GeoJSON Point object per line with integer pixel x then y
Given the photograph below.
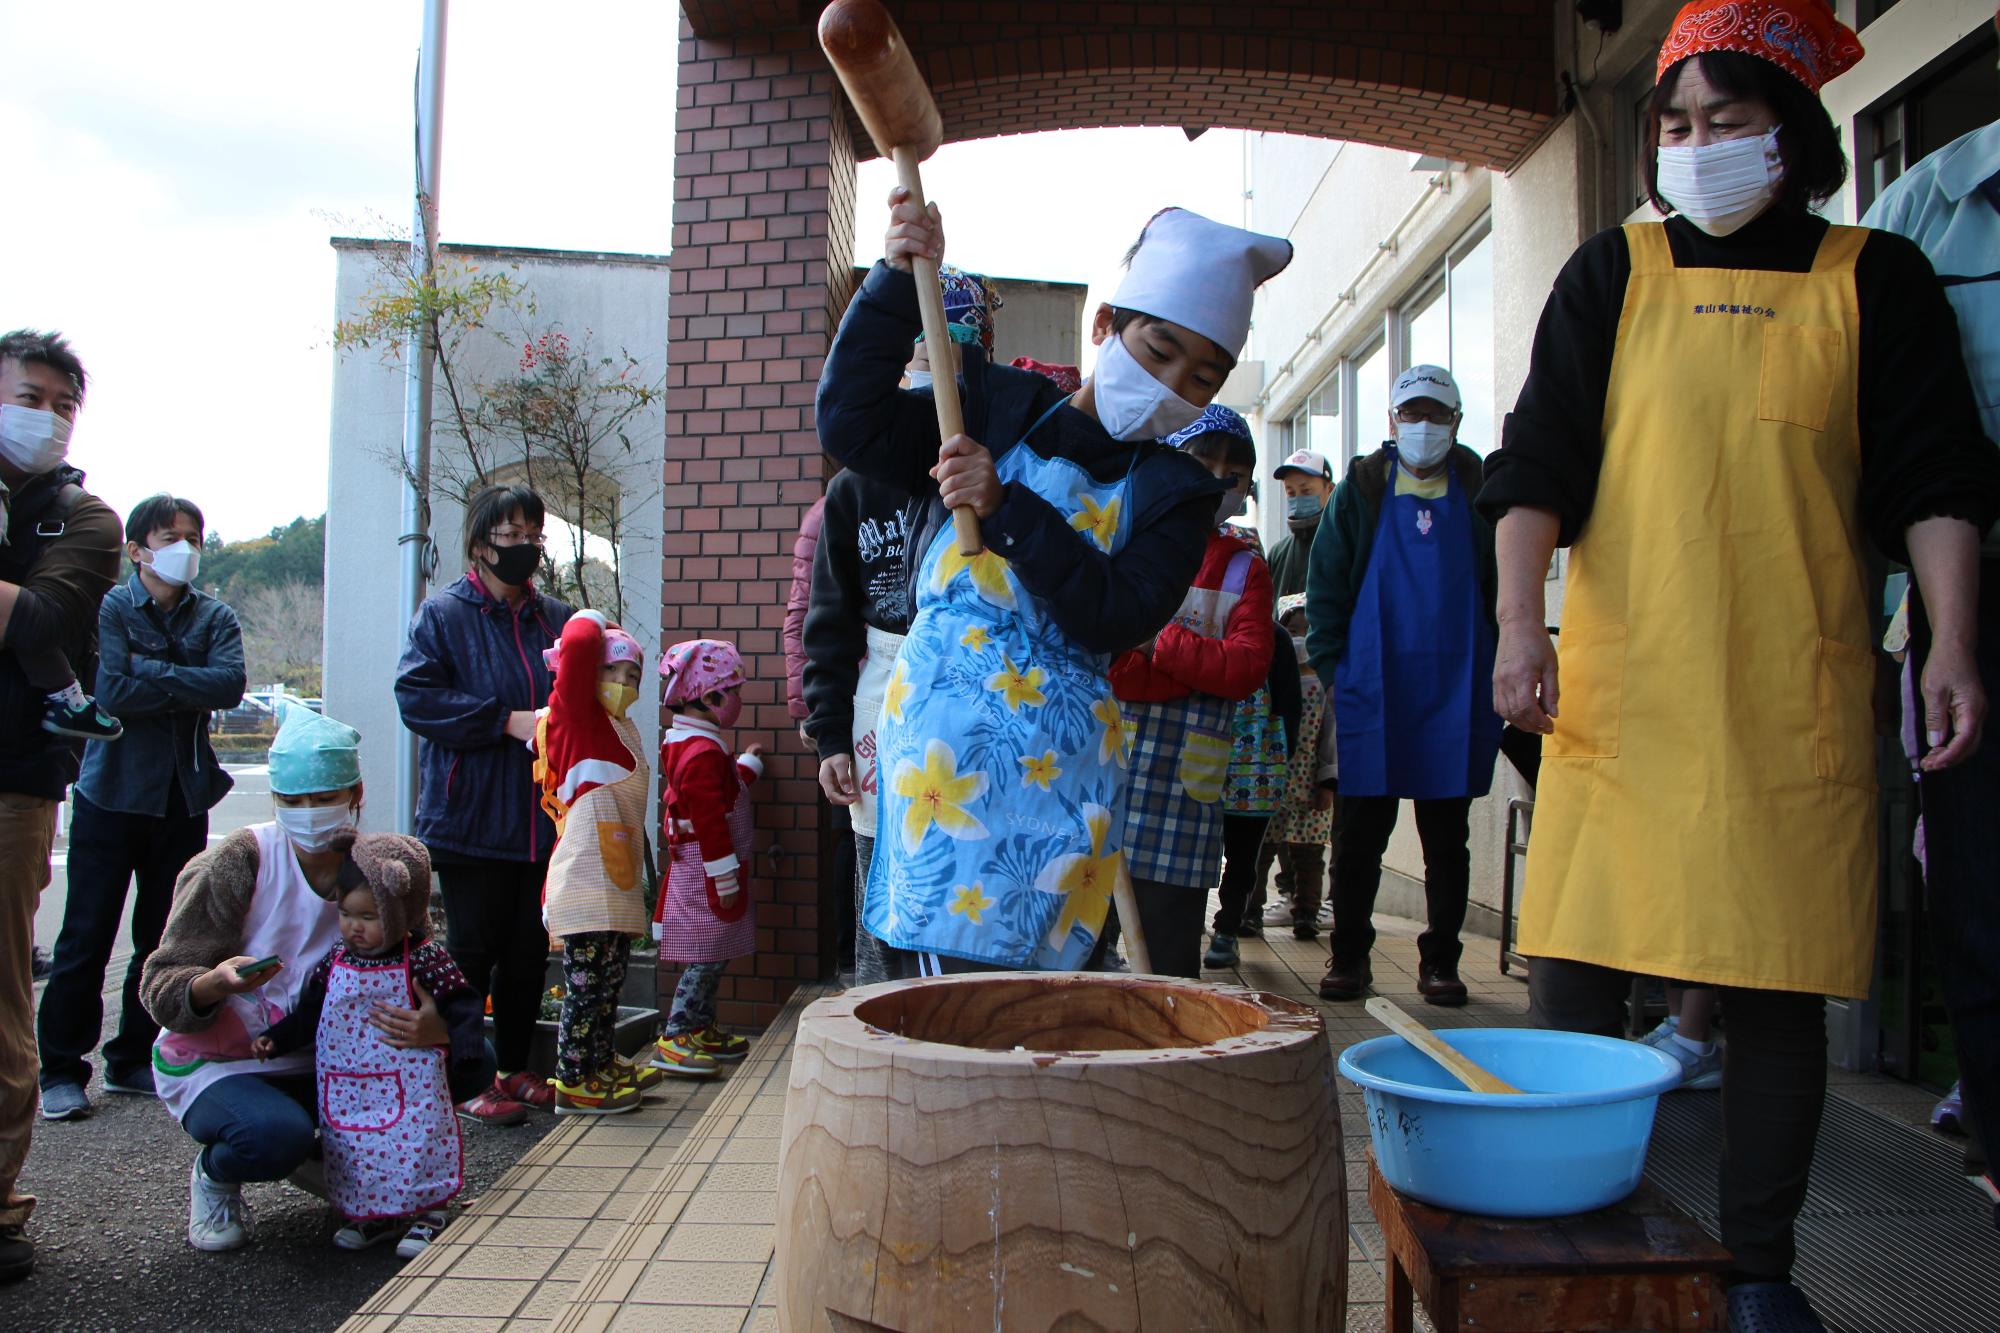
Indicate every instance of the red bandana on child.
{"type": "Point", "coordinates": [1801, 37]}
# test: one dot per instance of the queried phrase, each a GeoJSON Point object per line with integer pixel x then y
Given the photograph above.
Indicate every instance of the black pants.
{"type": "Point", "coordinates": [493, 917]}
{"type": "Point", "coordinates": [1773, 1091]}
{"type": "Point", "coordinates": [1365, 825]}
{"type": "Point", "coordinates": [1170, 915]}
{"type": "Point", "coordinates": [1242, 868]}
{"type": "Point", "coordinates": [107, 851]}
{"type": "Point", "coordinates": [1962, 878]}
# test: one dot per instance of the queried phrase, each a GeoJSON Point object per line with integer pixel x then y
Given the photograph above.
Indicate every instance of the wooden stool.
{"type": "Point", "coordinates": [1640, 1264]}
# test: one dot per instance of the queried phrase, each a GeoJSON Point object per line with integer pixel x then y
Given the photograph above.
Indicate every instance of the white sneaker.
{"type": "Point", "coordinates": [218, 1218]}
{"type": "Point", "coordinates": [1698, 1072]}
{"type": "Point", "coordinates": [1669, 1026]}
{"type": "Point", "coordinates": [1325, 917]}
{"type": "Point", "coordinates": [423, 1230]}
{"type": "Point", "coordinates": [1279, 913]}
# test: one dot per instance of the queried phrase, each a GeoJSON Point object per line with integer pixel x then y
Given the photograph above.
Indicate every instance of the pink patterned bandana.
{"type": "Point", "coordinates": [693, 668]}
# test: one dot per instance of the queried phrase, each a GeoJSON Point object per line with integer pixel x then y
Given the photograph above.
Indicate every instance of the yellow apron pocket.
{"type": "Point", "coordinates": [1801, 367]}
{"type": "Point", "coordinates": [1590, 697]}
{"type": "Point", "coordinates": [1844, 715]}
{"type": "Point", "coordinates": [1204, 763]}
{"type": "Point", "coordinates": [619, 851]}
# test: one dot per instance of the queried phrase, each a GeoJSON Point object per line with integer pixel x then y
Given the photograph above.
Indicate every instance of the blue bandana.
{"type": "Point", "coordinates": [1215, 417]}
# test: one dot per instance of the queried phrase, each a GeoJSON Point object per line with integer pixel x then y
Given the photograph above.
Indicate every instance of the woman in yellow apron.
{"type": "Point", "coordinates": [1718, 409]}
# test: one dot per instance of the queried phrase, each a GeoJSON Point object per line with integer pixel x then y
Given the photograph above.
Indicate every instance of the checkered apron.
{"type": "Point", "coordinates": [1180, 760]}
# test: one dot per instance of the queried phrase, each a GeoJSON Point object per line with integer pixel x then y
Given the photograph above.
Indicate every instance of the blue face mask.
{"type": "Point", "coordinates": [1303, 510]}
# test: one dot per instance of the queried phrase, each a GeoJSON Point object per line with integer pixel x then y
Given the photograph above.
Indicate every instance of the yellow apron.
{"type": "Point", "coordinates": [1706, 809]}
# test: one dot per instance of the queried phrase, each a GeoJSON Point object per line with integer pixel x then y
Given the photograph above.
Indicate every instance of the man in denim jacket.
{"type": "Point", "coordinates": [168, 655]}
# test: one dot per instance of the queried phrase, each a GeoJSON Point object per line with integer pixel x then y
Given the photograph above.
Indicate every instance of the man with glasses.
{"type": "Point", "coordinates": [1399, 598]}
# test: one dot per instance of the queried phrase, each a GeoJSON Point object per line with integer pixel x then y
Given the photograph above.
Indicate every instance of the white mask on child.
{"type": "Point", "coordinates": [1131, 404]}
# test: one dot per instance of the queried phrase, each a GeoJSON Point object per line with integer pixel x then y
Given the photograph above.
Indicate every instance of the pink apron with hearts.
{"type": "Point", "coordinates": [385, 1115]}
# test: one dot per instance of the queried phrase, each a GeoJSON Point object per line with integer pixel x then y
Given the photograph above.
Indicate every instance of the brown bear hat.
{"type": "Point", "coordinates": [398, 869]}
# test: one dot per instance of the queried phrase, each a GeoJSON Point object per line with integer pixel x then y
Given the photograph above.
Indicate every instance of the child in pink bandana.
{"type": "Point", "coordinates": [705, 916]}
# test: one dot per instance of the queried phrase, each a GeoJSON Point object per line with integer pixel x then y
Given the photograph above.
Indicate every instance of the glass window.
{"type": "Point", "coordinates": [1372, 378]}
{"type": "Point", "coordinates": [1323, 417]}
{"type": "Point", "coordinates": [1471, 363]}
{"type": "Point", "coordinates": [1427, 329]}
{"type": "Point", "coordinates": [1630, 99]}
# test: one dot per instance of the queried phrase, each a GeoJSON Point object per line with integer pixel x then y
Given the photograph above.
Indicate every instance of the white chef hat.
{"type": "Point", "coordinates": [1200, 275]}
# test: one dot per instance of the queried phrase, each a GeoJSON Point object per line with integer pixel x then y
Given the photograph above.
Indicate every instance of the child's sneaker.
{"type": "Point", "coordinates": [493, 1107]}
{"type": "Point", "coordinates": [84, 721]}
{"type": "Point", "coordinates": [595, 1096]}
{"type": "Point", "coordinates": [1658, 1036]}
{"type": "Point", "coordinates": [1279, 913]}
{"type": "Point", "coordinates": [1222, 953]}
{"type": "Point", "coordinates": [679, 1055]}
{"type": "Point", "coordinates": [716, 1044]}
{"type": "Point", "coordinates": [218, 1218]}
{"type": "Point", "coordinates": [423, 1230]}
{"type": "Point", "coordinates": [640, 1076]}
{"type": "Point", "coordinates": [528, 1089]}
{"type": "Point", "coordinates": [368, 1232]}
{"type": "Point", "coordinates": [1949, 1114]}
{"type": "Point", "coordinates": [1698, 1072]}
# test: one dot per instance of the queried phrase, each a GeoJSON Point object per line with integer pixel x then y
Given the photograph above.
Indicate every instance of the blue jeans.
{"type": "Point", "coordinates": [261, 1126]}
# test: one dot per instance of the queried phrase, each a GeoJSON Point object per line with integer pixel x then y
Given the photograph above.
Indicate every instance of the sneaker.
{"type": "Point", "coordinates": [594, 1096]}
{"type": "Point", "coordinates": [65, 1101]}
{"type": "Point", "coordinates": [1324, 917]}
{"type": "Point", "coordinates": [17, 1253]}
{"type": "Point", "coordinates": [1279, 913]}
{"type": "Point", "coordinates": [136, 1083]}
{"type": "Point", "coordinates": [641, 1076]}
{"type": "Point", "coordinates": [367, 1233]}
{"type": "Point", "coordinates": [218, 1218]}
{"type": "Point", "coordinates": [492, 1107]}
{"type": "Point", "coordinates": [527, 1089]}
{"type": "Point", "coordinates": [1304, 930]}
{"type": "Point", "coordinates": [1949, 1114]}
{"type": "Point", "coordinates": [41, 964]}
{"type": "Point", "coordinates": [679, 1055]}
{"type": "Point", "coordinates": [84, 722]}
{"type": "Point", "coordinates": [716, 1044]}
{"type": "Point", "coordinates": [1771, 1307]}
{"type": "Point", "coordinates": [1222, 953]}
{"type": "Point", "coordinates": [1668, 1026]}
{"type": "Point", "coordinates": [423, 1230]}
{"type": "Point", "coordinates": [1698, 1072]}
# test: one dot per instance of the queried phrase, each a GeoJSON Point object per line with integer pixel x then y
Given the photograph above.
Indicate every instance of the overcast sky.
{"type": "Point", "coordinates": [174, 172]}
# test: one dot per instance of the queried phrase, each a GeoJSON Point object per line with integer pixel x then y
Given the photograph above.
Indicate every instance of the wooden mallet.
{"type": "Point", "coordinates": [881, 79]}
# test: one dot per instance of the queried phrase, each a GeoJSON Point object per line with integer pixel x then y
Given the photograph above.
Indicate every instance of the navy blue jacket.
{"type": "Point", "coordinates": [1104, 603]}
{"type": "Point", "coordinates": [161, 678]}
{"type": "Point", "coordinates": [470, 662]}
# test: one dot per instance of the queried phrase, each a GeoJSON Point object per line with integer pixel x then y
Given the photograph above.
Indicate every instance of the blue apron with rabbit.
{"type": "Point", "coordinates": [1413, 694]}
{"type": "Point", "coordinates": [1003, 753]}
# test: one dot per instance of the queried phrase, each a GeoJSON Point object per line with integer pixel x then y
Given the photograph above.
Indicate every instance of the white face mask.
{"type": "Point", "coordinates": [1721, 186]}
{"type": "Point", "coordinates": [1422, 443]}
{"type": "Point", "coordinates": [920, 379]}
{"type": "Point", "coordinates": [32, 439]}
{"type": "Point", "coordinates": [313, 827]}
{"type": "Point", "coordinates": [1131, 404]}
{"type": "Point", "coordinates": [177, 564]}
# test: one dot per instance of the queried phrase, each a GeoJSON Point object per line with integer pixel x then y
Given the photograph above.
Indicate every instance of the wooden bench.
{"type": "Point", "coordinates": [1640, 1264]}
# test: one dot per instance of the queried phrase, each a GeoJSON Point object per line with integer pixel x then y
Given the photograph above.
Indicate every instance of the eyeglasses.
{"type": "Point", "coordinates": [516, 537]}
{"type": "Point", "coordinates": [1412, 414]}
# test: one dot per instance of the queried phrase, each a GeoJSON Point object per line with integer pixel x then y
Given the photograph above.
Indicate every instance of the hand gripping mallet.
{"type": "Point", "coordinates": [895, 106]}
{"type": "Point", "coordinates": [880, 77]}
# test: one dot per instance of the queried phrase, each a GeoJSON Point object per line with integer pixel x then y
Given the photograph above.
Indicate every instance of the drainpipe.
{"type": "Point", "coordinates": [418, 556]}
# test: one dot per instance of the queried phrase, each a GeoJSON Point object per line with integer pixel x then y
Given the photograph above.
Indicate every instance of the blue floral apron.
{"type": "Point", "coordinates": [1001, 811]}
{"type": "Point", "coordinates": [1413, 696]}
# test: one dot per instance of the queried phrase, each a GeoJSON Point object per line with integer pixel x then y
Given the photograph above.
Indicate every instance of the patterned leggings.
{"type": "Point", "coordinates": [593, 974]}
{"type": "Point", "coordinates": [694, 999]}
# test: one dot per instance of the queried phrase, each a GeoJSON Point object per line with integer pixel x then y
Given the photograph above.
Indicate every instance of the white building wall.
{"type": "Point", "coordinates": [622, 301]}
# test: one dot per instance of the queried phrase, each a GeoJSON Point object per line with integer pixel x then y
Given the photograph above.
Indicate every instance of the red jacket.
{"type": "Point", "coordinates": [1184, 662]}
{"type": "Point", "coordinates": [795, 611]}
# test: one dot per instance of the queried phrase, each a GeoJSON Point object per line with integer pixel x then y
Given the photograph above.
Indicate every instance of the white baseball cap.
{"type": "Point", "coordinates": [1425, 382]}
{"type": "Point", "coordinates": [1305, 460]}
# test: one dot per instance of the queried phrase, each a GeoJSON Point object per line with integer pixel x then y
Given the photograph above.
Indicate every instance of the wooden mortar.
{"type": "Point", "coordinates": [1061, 1150]}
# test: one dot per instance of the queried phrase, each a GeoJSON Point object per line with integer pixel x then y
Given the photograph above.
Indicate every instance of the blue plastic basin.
{"type": "Point", "coordinates": [1573, 1141]}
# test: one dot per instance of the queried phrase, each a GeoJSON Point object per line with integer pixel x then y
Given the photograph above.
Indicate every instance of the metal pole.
{"type": "Point", "coordinates": [419, 353]}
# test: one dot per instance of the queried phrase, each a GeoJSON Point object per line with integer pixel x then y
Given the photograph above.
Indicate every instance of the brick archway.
{"type": "Point", "coordinates": [763, 227]}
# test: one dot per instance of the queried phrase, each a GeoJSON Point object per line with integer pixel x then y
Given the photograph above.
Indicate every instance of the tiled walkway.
{"type": "Point", "coordinates": [665, 1219]}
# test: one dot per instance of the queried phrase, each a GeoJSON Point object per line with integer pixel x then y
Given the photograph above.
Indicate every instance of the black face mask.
{"type": "Point", "coordinates": [514, 565]}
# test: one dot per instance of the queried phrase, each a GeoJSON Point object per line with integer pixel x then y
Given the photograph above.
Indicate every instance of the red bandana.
{"type": "Point", "coordinates": [1801, 37]}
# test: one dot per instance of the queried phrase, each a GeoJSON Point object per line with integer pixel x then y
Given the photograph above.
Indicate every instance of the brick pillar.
{"type": "Point", "coordinates": [762, 237]}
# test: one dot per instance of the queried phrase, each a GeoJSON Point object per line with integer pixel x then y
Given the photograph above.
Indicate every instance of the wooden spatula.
{"type": "Point", "coordinates": [1421, 1037]}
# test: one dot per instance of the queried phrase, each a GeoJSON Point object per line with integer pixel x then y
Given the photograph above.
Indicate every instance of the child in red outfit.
{"type": "Point", "coordinates": [705, 916]}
